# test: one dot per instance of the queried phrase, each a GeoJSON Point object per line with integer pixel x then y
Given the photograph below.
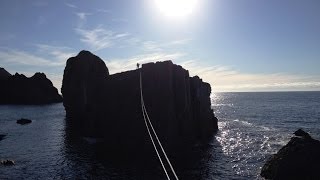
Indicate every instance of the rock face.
{"type": "Point", "coordinates": [299, 159]}
{"type": "Point", "coordinates": [19, 89]}
{"type": "Point", "coordinates": [83, 89]}
{"type": "Point", "coordinates": [108, 106]}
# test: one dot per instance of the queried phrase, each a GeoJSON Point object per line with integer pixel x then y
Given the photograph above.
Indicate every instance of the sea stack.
{"type": "Point", "coordinates": [19, 89]}
{"type": "Point", "coordinates": [108, 106]}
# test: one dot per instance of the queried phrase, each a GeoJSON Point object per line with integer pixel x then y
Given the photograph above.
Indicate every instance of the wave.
{"type": "Point", "coordinates": [243, 122]}
{"type": "Point", "coordinates": [217, 105]}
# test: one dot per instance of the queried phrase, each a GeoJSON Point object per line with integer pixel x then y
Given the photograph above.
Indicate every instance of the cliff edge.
{"type": "Point", "coordinates": [108, 106]}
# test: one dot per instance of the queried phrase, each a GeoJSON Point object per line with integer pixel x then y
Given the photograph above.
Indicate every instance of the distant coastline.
{"type": "Point", "coordinates": [19, 89]}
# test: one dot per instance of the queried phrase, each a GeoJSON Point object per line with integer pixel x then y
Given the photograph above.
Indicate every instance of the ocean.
{"type": "Point", "coordinates": [252, 126]}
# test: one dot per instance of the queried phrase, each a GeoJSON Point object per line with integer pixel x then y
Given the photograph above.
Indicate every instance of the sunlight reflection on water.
{"type": "Point", "coordinates": [255, 125]}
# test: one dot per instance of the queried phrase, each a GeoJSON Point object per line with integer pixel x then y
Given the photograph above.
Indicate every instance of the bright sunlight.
{"type": "Point", "coordinates": [176, 8]}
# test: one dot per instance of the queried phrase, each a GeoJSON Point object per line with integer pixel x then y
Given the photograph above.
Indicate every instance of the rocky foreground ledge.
{"type": "Point", "coordinates": [108, 106]}
{"type": "Point", "coordinates": [299, 159]}
{"type": "Point", "coordinates": [19, 89]}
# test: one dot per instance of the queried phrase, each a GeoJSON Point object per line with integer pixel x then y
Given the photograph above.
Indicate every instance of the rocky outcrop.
{"type": "Point", "coordinates": [23, 121]}
{"type": "Point", "coordinates": [108, 106]}
{"type": "Point", "coordinates": [83, 89]}
{"type": "Point", "coordinates": [7, 162]}
{"type": "Point", "coordinates": [19, 89]}
{"type": "Point", "coordinates": [2, 136]}
{"type": "Point", "coordinates": [299, 159]}
{"type": "Point", "coordinates": [4, 75]}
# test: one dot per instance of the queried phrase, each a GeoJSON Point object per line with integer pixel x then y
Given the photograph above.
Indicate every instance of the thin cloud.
{"type": "Point", "coordinates": [223, 78]}
{"type": "Point", "coordinates": [100, 38]}
{"type": "Point", "coordinates": [122, 35]}
{"type": "Point", "coordinates": [83, 15]}
{"type": "Point", "coordinates": [180, 42]}
{"type": "Point", "coordinates": [46, 56]}
{"type": "Point", "coordinates": [162, 46]}
{"type": "Point", "coordinates": [151, 46]}
{"type": "Point", "coordinates": [104, 11]}
{"type": "Point", "coordinates": [59, 54]}
{"type": "Point", "coordinates": [11, 57]}
{"type": "Point", "coordinates": [71, 5]}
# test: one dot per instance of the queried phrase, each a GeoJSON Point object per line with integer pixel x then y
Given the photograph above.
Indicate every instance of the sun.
{"type": "Point", "coordinates": [176, 8]}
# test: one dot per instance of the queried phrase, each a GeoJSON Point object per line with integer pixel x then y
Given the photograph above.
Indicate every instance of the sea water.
{"type": "Point", "coordinates": [252, 126]}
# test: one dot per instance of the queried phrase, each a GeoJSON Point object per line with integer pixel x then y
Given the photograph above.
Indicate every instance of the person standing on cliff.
{"type": "Point", "coordinates": [138, 65]}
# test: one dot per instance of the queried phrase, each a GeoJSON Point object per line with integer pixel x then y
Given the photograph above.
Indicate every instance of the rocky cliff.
{"type": "Point", "coordinates": [19, 89]}
{"type": "Point", "coordinates": [108, 106]}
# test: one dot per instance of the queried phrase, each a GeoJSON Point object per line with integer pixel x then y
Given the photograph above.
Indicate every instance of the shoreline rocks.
{"type": "Point", "coordinates": [7, 162]}
{"type": "Point", "coordinates": [23, 121]}
{"type": "Point", "coordinates": [299, 159]}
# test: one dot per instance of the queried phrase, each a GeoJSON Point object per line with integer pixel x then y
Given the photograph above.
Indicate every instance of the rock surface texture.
{"type": "Point", "coordinates": [108, 106]}
{"type": "Point", "coordinates": [19, 89]}
{"type": "Point", "coordinates": [299, 159]}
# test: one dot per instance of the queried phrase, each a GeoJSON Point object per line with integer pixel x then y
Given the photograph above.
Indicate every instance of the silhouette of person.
{"type": "Point", "coordinates": [138, 65]}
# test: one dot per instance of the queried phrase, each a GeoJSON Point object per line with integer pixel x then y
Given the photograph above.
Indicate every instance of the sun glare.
{"type": "Point", "coordinates": [176, 8]}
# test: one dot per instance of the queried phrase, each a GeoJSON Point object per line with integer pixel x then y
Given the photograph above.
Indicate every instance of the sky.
{"type": "Point", "coordinates": [235, 45]}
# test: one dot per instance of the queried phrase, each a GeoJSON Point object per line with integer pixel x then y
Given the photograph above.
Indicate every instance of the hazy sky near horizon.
{"type": "Point", "coordinates": [235, 45]}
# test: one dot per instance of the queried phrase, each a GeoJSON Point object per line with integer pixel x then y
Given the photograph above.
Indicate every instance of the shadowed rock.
{"type": "Point", "coordinates": [4, 75]}
{"type": "Point", "coordinates": [23, 121]}
{"type": "Point", "coordinates": [301, 133]}
{"type": "Point", "coordinates": [108, 106]}
{"type": "Point", "coordinates": [7, 162]}
{"type": "Point", "coordinates": [299, 159]}
{"type": "Point", "coordinates": [19, 89]}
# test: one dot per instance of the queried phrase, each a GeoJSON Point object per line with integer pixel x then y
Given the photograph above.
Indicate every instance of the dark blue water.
{"type": "Point", "coordinates": [252, 127]}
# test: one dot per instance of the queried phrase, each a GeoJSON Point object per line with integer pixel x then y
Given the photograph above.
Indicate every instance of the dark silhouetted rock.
{"type": "Point", "coordinates": [108, 106]}
{"type": "Point", "coordinates": [19, 89]}
{"type": "Point", "coordinates": [299, 159]}
{"type": "Point", "coordinates": [2, 136]}
{"type": "Point", "coordinates": [23, 121]}
{"type": "Point", "coordinates": [83, 89]}
{"type": "Point", "coordinates": [301, 133]}
{"type": "Point", "coordinates": [4, 75]}
{"type": "Point", "coordinates": [7, 162]}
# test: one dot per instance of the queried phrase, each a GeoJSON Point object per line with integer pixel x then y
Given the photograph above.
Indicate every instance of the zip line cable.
{"type": "Point", "coordinates": [145, 116]}
{"type": "Point", "coordinates": [163, 151]}
{"type": "Point", "coordinates": [145, 121]}
{"type": "Point", "coordinates": [155, 145]}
